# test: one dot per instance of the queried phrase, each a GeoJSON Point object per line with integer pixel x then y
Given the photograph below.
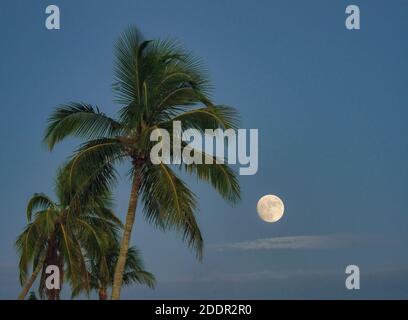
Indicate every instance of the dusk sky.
{"type": "Point", "coordinates": [331, 107]}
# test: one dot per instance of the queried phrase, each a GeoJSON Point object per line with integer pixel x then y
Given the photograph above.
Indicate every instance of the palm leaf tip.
{"type": "Point", "coordinates": [38, 201]}
{"type": "Point", "coordinates": [78, 119]}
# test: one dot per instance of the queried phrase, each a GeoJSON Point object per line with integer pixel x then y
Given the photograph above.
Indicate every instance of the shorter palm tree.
{"type": "Point", "coordinates": [60, 233]}
{"type": "Point", "coordinates": [32, 296]}
{"type": "Point", "coordinates": [101, 269]}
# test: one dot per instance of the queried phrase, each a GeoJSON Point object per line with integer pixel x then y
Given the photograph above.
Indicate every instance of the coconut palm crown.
{"type": "Point", "coordinates": [156, 83]}
{"type": "Point", "coordinates": [101, 268]}
{"type": "Point", "coordinates": [61, 232]}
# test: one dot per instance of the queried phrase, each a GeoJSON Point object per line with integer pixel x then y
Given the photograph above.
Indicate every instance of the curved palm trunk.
{"type": "Point", "coordinates": [124, 245]}
{"type": "Point", "coordinates": [32, 278]}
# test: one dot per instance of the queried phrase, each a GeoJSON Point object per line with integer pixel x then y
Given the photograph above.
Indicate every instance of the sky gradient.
{"type": "Point", "coordinates": [331, 106]}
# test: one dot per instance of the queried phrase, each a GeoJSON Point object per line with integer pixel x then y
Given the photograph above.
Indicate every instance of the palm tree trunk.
{"type": "Point", "coordinates": [103, 293]}
{"type": "Point", "coordinates": [32, 278]}
{"type": "Point", "coordinates": [124, 245]}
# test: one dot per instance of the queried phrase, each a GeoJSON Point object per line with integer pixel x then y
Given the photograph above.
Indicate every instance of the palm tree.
{"type": "Point", "coordinates": [101, 269]}
{"type": "Point", "coordinates": [157, 83]}
{"type": "Point", "coordinates": [58, 233]}
{"type": "Point", "coordinates": [32, 296]}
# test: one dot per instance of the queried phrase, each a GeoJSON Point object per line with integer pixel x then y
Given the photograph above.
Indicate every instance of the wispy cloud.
{"type": "Point", "coordinates": [262, 275]}
{"type": "Point", "coordinates": [291, 243]}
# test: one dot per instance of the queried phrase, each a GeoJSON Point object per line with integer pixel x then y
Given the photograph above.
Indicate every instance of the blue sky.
{"type": "Point", "coordinates": [331, 107]}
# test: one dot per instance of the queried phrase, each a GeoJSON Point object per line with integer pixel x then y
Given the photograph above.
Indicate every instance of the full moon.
{"type": "Point", "coordinates": [270, 208]}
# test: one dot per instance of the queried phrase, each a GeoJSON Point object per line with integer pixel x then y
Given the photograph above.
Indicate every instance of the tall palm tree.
{"type": "Point", "coordinates": [101, 269]}
{"type": "Point", "coordinates": [59, 233]}
{"type": "Point", "coordinates": [157, 83]}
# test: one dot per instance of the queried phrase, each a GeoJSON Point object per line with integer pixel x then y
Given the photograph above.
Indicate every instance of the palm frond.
{"type": "Point", "coordinates": [169, 204]}
{"type": "Point", "coordinates": [108, 215]}
{"type": "Point", "coordinates": [81, 120]}
{"type": "Point", "coordinates": [39, 201]}
{"type": "Point", "coordinates": [128, 85]}
{"type": "Point", "coordinates": [91, 171]}
{"type": "Point", "coordinates": [29, 244]}
{"type": "Point", "coordinates": [135, 270]}
{"type": "Point", "coordinates": [219, 175]}
{"type": "Point", "coordinates": [215, 117]}
{"type": "Point", "coordinates": [75, 260]}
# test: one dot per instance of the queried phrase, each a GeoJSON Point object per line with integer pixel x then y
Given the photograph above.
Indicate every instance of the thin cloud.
{"type": "Point", "coordinates": [290, 243]}
{"type": "Point", "coordinates": [262, 275]}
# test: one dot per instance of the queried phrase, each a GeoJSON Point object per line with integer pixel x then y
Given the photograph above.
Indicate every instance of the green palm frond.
{"type": "Point", "coordinates": [79, 119]}
{"type": "Point", "coordinates": [39, 201]}
{"type": "Point", "coordinates": [75, 260]}
{"type": "Point", "coordinates": [220, 176]}
{"type": "Point", "coordinates": [46, 221]}
{"type": "Point", "coordinates": [32, 296]}
{"type": "Point", "coordinates": [139, 276]}
{"type": "Point", "coordinates": [178, 65]}
{"type": "Point", "coordinates": [169, 204]}
{"type": "Point", "coordinates": [129, 49]}
{"type": "Point", "coordinates": [98, 234]}
{"type": "Point", "coordinates": [106, 214]}
{"type": "Point", "coordinates": [215, 117]}
{"type": "Point", "coordinates": [135, 270]}
{"type": "Point", "coordinates": [91, 171]}
{"type": "Point", "coordinates": [29, 244]}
